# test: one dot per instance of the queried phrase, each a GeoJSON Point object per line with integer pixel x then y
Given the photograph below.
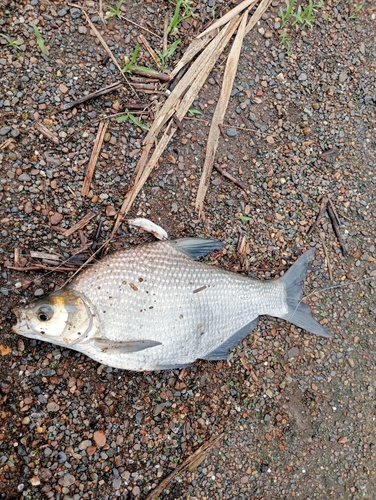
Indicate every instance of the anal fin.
{"type": "Point", "coordinates": [222, 351]}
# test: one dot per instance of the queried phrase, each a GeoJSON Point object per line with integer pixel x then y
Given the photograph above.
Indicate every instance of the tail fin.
{"type": "Point", "coordinates": [298, 312]}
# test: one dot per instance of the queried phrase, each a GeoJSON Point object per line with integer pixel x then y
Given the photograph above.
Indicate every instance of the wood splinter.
{"type": "Point", "coordinates": [94, 157]}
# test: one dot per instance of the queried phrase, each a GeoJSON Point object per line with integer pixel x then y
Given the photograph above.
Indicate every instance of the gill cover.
{"type": "Point", "coordinates": [61, 318]}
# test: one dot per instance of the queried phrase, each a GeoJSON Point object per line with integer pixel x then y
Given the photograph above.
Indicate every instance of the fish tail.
{"type": "Point", "coordinates": [298, 312]}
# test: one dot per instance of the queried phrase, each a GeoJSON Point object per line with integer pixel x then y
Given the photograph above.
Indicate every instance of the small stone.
{"type": "Point", "coordinates": [28, 207]}
{"type": "Point", "coordinates": [270, 139]}
{"type": "Point", "coordinates": [100, 438]}
{"type": "Point", "coordinates": [56, 218]}
{"type": "Point", "coordinates": [90, 450]}
{"type": "Point", "coordinates": [82, 30]}
{"type": "Point", "coordinates": [39, 292]}
{"type": "Point", "coordinates": [62, 12]}
{"type": "Point", "coordinates": [75, 13]}
{"type": "Point", "coordinates": [26, 420]}
{"type": "Point", "coordinates": [15, 133]}
{"type": "Point", "coordinates": [244, 479]}
{"type": "Point", "coordinates": [351, 362]}
{"type": "Point", "coordinates": [110, 211]}
{"type": "Point", "coordinates": [342, 440]}
{"type": "Point", "coordinates": [231, 132]}
{"type": "Point", "coordinates": [67, 480]}
{"type": "Point", "coordinates": [63, 88]}
{"type": "Point", "coordinates": [84, 444]}
{"type": "Point", "coordinates": [293, 353]}
{"type": "Point", "coordinates": [24, 177]}
{"type": "Point", "coordinates": [306, 131]}
{"type": "Point", "coordinates": [52, 406]}
{"type": "Point", "coordinates": [35, 481]}
{"type": "Point", "coordinates": [342, 77]}
{"type": "Point", "coordinates": [268, 34]}
{"type": "Point", "coordinates": [5, 130]}
{"type": "Point", "coordinates": [303, 77]}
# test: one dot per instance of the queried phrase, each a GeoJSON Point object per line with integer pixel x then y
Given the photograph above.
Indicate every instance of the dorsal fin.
{"type": "Point", "coordinates": [197, 247]}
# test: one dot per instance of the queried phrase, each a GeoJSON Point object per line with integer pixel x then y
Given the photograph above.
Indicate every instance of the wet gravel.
{"type": "Point", "coordinates": [297, 411]}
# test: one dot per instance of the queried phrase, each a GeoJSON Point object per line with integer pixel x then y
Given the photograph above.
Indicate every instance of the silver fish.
{"type": "Point", "coordinates": [153, 307]}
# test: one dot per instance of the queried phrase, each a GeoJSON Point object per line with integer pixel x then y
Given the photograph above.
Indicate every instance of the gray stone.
{"type": "Point", "coordinates": [231, 132]}
{"type": "Point", "coordinates": [303, 77]}
{"type": "Point", "coordinates": [24, 177]}
{"type": "Point", "coordinates": [5, 130]}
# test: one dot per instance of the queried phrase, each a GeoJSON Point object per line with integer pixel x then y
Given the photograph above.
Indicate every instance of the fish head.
{"type": "Point", "coordinates": [62, 318]}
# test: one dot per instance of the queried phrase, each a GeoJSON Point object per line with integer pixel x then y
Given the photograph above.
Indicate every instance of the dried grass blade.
{"type": "Point", "coordinates": [94, 157]}
{"type": "Point", "coordinates": [229, 16]}
{"type": "Point", "coordinates": [219, 113]}
{"type": "Point", "coordinates": [79, 225]}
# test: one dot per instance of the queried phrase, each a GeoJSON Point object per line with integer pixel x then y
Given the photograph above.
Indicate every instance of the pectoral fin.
{"type": "Point", "coordinates": [127, 346]}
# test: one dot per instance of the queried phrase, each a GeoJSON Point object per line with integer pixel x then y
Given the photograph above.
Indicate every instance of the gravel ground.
{"type": "Point", "coordinates": [297, 411]}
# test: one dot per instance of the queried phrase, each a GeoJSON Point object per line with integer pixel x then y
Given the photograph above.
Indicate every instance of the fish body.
{"type": "Point", "coordinates": [153, 307]}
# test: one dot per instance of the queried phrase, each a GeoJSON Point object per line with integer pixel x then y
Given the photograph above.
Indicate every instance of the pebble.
{"type": "Point", "coordinates": [293, 353]}
{"type": "Point", "coordinates": [5, 130]}
{"type": "Point", "coordinates": [302, 77]}
{"type": "Point", "coordinates": [232, 132]}
{"type": "Point", "coordinates": [39, 292]}
{"type": "Point", "coordinates": [52, 406]}
{"type": "Point", "coordinates": [56, 218]}
{"type": "Point", "coordinates": [100, 438]}
{"type": "Point", "coordinates": [67, 480]}
{"type": "Point", "coordinates": [24, 177]}
{"type": "Point", "coordinates": [35, 481]}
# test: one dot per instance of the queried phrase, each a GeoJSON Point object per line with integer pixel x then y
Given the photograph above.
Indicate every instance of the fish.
{"type": "Point", "coordinates": [156, 307]}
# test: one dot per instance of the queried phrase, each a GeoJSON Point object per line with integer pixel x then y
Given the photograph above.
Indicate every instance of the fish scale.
{"type": "Point", "coordinates": [154, 307]}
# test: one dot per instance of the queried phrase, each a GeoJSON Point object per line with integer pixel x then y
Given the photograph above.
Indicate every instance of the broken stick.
{"type": "Point", "coordinates": [222, 169]}
{"type": "Point", "coordinates": [47, 133]}
{"type": "Point", "coordinates": [94, 157]}
{"type": "Point", "coordinates": [93, 95]}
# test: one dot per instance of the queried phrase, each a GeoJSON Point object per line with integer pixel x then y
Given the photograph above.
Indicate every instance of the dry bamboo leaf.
{"type": "Point", "coordinates": [229, 16]}
{"type": "Point", "coordinates": [219, 113]}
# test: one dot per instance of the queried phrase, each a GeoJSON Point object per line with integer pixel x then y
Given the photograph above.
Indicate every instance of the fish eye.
{"type": "Point", "coordinates": [45, 313]}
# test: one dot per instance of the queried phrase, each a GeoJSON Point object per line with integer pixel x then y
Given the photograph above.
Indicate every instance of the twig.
{"type": "Point", "coordinates": [94, 157]}
{"type": "Point", "coordinates": [323, 205]}
{"type": "Point", "coordinates": [7, 143]}
{"type": "Point", "coordinates": [165, 32]}
{"type": "Point", "coordinates": [191, 463]}
{"type": "Point", "coordinates": [100, 12]}
{"type": "Point", "coordinates": [142, 39]}
{"type": "Point", "coordinates": [93, 95]}
{"type": "Point", "coordinates": [335, 225]}
{"type": "Point", "coordinates": [141, 27]}
{"type": "Point", "coordinates": [327, 257]}
{"type": "Point", "coordinates": [163, 77]}
{"type": "Point", "coordinates": [80, 224]}
{"type": "Point", "coordinates": [38, 267]}
{"type": "Point", "coordinates": [222, 170]}
{"type": "Point", "coordinates": [47, 133]}
{"type": "Point", "coordinates": [334, 211]}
